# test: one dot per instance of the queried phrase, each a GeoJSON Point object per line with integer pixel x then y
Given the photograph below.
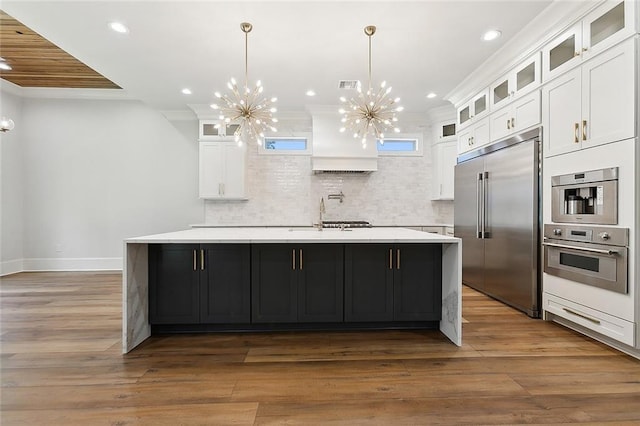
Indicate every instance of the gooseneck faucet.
{"type": "Point", "coordinates": [322, 210]}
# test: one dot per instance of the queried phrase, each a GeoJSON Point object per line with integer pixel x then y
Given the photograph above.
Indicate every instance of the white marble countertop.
{"type": "Point", "coordinates": [294, 235]}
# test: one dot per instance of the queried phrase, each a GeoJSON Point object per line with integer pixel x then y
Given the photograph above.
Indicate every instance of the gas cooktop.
{"type": "Point", "coordinates": [345, 224]}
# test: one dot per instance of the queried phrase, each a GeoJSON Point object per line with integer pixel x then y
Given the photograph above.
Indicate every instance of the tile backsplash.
{"type": "Point", "coordinates": [283, 191]}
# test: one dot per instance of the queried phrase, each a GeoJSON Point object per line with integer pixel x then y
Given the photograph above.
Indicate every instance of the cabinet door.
{"type": "Point", "coordinates": [501, 123]}
{"type": "Point", "coordinates": [233, 185]}
{"type": "Point", "coordinates": [561, 108]}
{"type": "Point", "coordinates": [607, 25]}
{"type": "Point", "coordinates": [211, 169]}
{"type": "Point", "coordinates": [273, 283]}
{"type": "Point", "coordinates": [464, 141]}
{"type": "Point", "coordinates": [527, 75]}
{"type": "Point", "coordinates": [445, 157]}
{"type": "Point", "coordinates": [320, 283]}
{"type": "Point", "coordinates": [225, 292]}
{"type": "Point", "coordinates": [173, 284]}
{"type": "Point", "coordinates": [368, 283]}
{"type": "Point", "coordinates": [609, 88]}
{"type": "Point", "coordinates": [417, 294]}
{"type": "Point", "coordinates": [562, 53]}
{"type": "Point", "coordinates": [526, 112]}
{"type": "Point", "coordinates": [481, 133]}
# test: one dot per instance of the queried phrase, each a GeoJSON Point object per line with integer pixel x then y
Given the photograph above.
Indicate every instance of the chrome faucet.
{"type": "Point", "coordinates": [322, 210]}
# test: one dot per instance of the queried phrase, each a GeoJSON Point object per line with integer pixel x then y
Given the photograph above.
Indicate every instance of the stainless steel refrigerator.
{"type": "Point", "coordinates": [498, 216]}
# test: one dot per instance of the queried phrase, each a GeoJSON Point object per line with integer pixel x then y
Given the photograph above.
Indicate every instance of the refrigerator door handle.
{"type": "Point", "coordinates": [485, 178]}
{"type": "Point", "coordinates": [478, 206]}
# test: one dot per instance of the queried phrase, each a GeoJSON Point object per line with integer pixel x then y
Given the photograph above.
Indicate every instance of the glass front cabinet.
{"type": "Point", "coordinates": [608, 24]}
{"type": "Point", "coordinates": [522, 79]}
{"type": "Point", "coordinates": [477, 107]}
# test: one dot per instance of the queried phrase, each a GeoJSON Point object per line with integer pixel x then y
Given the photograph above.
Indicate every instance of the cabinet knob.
{"type": "Point", "coordinates": [584, 49]}
{"type": "Point", "coordinates": [576, 54]}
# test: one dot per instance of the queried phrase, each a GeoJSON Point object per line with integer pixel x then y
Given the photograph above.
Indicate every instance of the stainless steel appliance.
{"type": "Point", "coordinates": [586, 197]}
{"type": "Point", "coordinates": [592, 255]}
{"type": "Point", "coordinates": [497, 215]}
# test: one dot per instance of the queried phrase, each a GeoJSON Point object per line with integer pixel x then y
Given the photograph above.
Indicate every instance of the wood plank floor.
{"type": "Point", "coordinates": [61, 364]}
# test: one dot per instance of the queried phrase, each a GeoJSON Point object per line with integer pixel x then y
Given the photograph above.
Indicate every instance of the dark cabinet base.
{"type": "Point", "coordinates": [250, 328]}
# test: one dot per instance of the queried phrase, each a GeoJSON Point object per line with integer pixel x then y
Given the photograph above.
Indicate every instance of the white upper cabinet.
{"type": "Point", "coordinates": [593, 104]}
{"type": "Point", "coordinates": [444, 157]}
{"type": "Point", "coordinates": [474, 109]}
{"type": "Point", "coordinates": [515, 117]}
{"type": "Point", "coordinates": [444, 131]}
{"type": "Point", "coordinates": [222, 171]}
{"type": "Point", "coordinates": [610, 23]}
{"type": "Point", "coordinates": [519, 81]}
{"type": "Point", "coordinates": [474, 136]}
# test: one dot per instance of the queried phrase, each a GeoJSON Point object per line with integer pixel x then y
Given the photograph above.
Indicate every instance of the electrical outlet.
{"type": "Point", "coordinates": [58, 248]}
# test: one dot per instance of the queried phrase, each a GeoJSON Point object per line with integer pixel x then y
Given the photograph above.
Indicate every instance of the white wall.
{"type": "Point", "coordinates": [12, 187]}
{"type": "Point", "coordinates": [96, 172]}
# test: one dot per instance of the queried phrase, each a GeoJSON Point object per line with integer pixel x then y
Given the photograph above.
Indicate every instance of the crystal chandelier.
{"type": "Point", "coordinates": [247, 107]}
{"type": "Point", "coordinates": [371, 112]}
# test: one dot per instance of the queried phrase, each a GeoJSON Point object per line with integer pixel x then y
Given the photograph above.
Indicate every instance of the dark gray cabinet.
{"type": "Point", "coordinates": [195, 284]}
{"type": "Point", "coordinates": [174, 284]}
{"type": "Point", "coordinates": [400, 282]}
{"type": "Point", "coordinates": [297, 283]}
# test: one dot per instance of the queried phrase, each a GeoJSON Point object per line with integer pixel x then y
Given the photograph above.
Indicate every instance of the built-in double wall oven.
{"type": "Point", "coordinates": [576, 246]}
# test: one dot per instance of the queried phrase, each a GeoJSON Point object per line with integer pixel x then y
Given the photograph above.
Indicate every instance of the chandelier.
{"type": "Point", "coordinates": [247, 107]}
{"type": "Point", "coordinates": [371, 112]}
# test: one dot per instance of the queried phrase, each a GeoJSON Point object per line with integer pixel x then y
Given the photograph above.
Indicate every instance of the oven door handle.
{"type": "Point", "coordinates": [590, 250]}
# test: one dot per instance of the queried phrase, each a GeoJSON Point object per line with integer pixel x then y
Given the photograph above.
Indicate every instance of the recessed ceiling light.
{"type": "Point", "coordinates": [186, 91]}
{"type": "Point", "coordinates": [118, 27]}
{"type": "Point", "coordinates": [5, 66]}
{"type": "Point", "coordinates": [311, 93]}
{"type": "Point", "coordinates": [491, 35]}
{"type": "Point", "coordinates": [431, 95]}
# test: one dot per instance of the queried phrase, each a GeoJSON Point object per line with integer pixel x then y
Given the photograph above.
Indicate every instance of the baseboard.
{"type": "Point", "coordinates": [72, 264]}
{"type": "Point", "coordinates": [9, 267]}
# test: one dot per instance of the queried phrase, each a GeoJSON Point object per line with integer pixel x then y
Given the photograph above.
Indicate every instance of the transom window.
{"type": "Point", "coordinates": [286, 145]}
{"type": "Point", "coordinates": [409, 145]}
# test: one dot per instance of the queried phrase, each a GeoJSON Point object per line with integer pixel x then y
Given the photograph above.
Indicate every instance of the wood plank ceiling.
{"type": "Point", "coordinates": [36, 62]}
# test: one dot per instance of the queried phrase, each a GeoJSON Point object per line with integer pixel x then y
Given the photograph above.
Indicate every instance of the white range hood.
{"type": "Point", "coordinates": [336, 152]}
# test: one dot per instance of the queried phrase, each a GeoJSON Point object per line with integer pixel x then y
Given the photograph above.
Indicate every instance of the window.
{"type": "Point", "coordinates": [286, 145]}
{"type": "Point", "coordinates": [406, 145]}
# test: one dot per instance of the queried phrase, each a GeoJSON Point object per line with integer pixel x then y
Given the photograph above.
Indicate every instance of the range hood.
{"type": "Point", "coordinates": [336, 152]}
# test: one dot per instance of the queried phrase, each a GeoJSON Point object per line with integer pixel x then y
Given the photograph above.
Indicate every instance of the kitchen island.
{"type": "Point", "coordinates": [136, 324]}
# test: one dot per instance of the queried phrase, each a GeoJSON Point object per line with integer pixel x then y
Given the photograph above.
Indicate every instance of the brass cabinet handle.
{"type": "Point", "coordinates": [397, 258]}
{"type": "Point", "coordinates": [390, 258]}
{"type": "Point", "coordinates": [301, 260]}
{"type": "Point", "coordinates": [584, 130]}
{"type": "Point", "coordinates": [508, 123]}
{"type": "Point", "coordinates": [572, 312]}
{"type": "Point", "coordinates": [201, 259]}
{"type": "Point", "coordinates": [513, 123]}
{"type": "Point", "coordinates": [195, 260]}
{"type": "Point", "coordinates": [576, 129]}
{"type": "Point", "coordinates": [293, 259]}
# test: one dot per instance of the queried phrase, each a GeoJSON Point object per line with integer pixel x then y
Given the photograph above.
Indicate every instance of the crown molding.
{"type": "Point", "coordinates": [551, 22]}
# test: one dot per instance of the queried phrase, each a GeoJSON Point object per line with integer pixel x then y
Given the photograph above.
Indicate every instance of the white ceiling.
{"type": "Point", "coordinates": [419, 47]}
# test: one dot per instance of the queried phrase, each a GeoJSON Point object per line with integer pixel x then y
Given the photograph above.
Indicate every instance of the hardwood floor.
{"type": "Point", "coordinates": [61, 364]}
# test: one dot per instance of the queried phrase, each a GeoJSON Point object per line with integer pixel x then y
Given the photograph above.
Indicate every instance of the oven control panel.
{"type": "Point", "coordinates": [588, 234]}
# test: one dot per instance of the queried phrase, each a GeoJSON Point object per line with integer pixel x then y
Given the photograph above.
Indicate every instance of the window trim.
{"type": "Point", "coordinates": [417, 137]}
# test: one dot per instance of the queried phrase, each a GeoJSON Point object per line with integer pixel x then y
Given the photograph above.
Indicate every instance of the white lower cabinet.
{"type": "Point", "coordinates": [222, 171]}
{"type": "Point", "coordinates": [593, 104]}
{"type": "Point", "coordinates": [444, 162]}
{"type": "Point", "coordinates": [516, 117]}
{"type": "Point", "coordinates": [474, 136]}
{"type": "Point", "coordinates": [600, 322]}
